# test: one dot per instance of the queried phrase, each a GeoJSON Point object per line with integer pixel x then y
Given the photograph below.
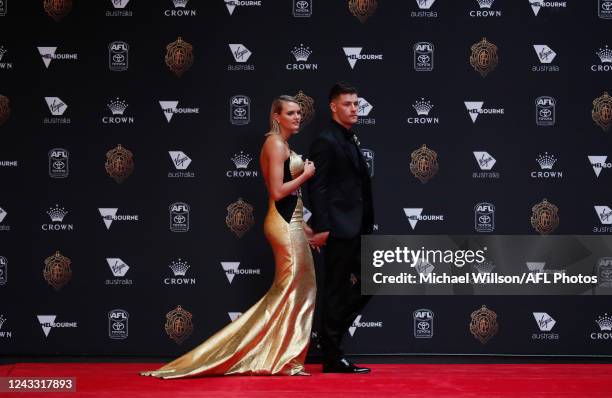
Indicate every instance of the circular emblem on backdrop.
{"type": "Point", "coordinates": [179, 56]}
{"type": "Point", "coordinates": [5, 109]}
{"type": "Point", "coordinates": [239, 217]}
{"type": "Point", "coordinates": [57, 9]}
{"type": "Point", "coordinates": [602, 111]}
{"type": "Point", "coordinates": [424, 163]}
{"type": "Point", "coordinates": [362, 9]}
{"type": "Point", "coordinates": [484, 324]}
{"type": "Point", "coordinates": [119, 163]}
{"type": "Point", "coordinates": [544, 217]}
{"type": "Point", "coordinates": [57, 270]}
{"type": "Point", "coordinates": [178, 324]}
{"type": "Point", "coordinates": [484, 57]}
{"type": "Point", "coordinates": [307, 106]}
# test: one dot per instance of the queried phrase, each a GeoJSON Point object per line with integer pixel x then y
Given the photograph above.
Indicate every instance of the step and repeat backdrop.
{"type": "Point", "coordinates": [131, 199]}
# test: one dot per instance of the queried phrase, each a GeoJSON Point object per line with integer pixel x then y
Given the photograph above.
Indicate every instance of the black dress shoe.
{"type": "Point", "coordinates": [343, 365]}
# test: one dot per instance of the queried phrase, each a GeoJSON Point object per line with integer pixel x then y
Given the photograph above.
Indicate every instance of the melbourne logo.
{"type": "Point", "coordinates": [546, 163]}
{"type": "Point", "coordinates": [57, 215]}
{"type": "Point", "coordinates": [179, 56]}
{"type": "Point", "coordinates": [180, 9]}
{"type": "Point", "coordinates": [602, 111]}
{"type": "Point", "coordinates": [232, 4]}
{"type": "Point", "coordinates": [414, 215]}
{"type": "Point", "coordinates": [353, 54]}
{"type": "Point", "coordinates": [301, 55]}
{"type": "Point", "coordinates": [109, 214]}
{"type": "Point", "coordinates": [59, 163]}
{"type": "Point", "coordinates": [119, 163]}
{"type": "Point", "coordinates": [536, 5]}
{"type": "Point", "coordinates": [483, 325]}
{"type": "Point", "coordinates": [240, 110]}
{"type": "Point", "coordinates": [239, 218]}
{"type": "Point", "coordinates": [424, 163]}
{"type": "Point", "coordinates": [118, 56]}
{"type": "Point", "coordinates": [117, 108]}
{"type": "Point", "coordinates": [57, 270]}
{"type": "Point", "coordinates": [544, 217]}
{"type": "Point", "coordinates": [485, 10]}
{"type": "Point", "coordinates": [179, 325]}
{"type": "Point", "coordinates": [232, 268]}
{"type": "Point", "coordinates": [484, 57]}
{"type": "Point", "coordinates": [241, 162]}
{"type": "Point", "coordinates": [546, 56]}
{"type": "Point", "coordinates": [57, 9]}
{"type": "Point", "coordinates": [358, 324]}
{"type": "Point", "coordinates": [179, 217]}
{"type": "Point", "coordinates": [170, 108]}
{"type": "Point", "coordinates": [423, 53]}
{"type": "Point", "coordinates": [422, 109]}
{"type": "Point", "coordinates": [599, 163]}
{"type": "Point", "coordinates": [545, 111]}
{"type": "Point", "coordinates": [475, 109]}
{"type": "Point", "coordinates": [423, 324]}
{"type": "Point", "coordinates": [241, 55]}
{"type": "Point", "coordinates": [49, 54]}
{"type": "Point", "coordinates": [362, 9]}
{"type": "Point", "coordinates": [118, 324]}
{"type": "Point", "coordinates": [47, 322]}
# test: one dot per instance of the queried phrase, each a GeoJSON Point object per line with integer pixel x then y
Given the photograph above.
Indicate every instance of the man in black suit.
{"type": "Point", "coordinates": [342, 210]}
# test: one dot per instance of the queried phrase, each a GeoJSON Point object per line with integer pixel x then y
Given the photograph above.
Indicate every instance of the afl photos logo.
{"type": "Point", "coordinates": [362, 9]}
{"type": "Point", "coordinates": [484, 57]}
{"type": "Point", "coordinates": [239, 217]}
{"type": "Point", "coordinates": [544, 217]}
{"type": "Point", "coordinates": [179, 56]}
{"type": "Point", "coordinates": [307, 107]}
{"type": "Point", "coordinates": [178, 324]}
{"type": "Point", "coordinates": [5, 110]}
{"type": "Point", "coordinates": [57, 270]}
{"type": "Point", "coordinates": [602, 111]}
{"type": "Point", "coordinates": [57, 9]}
{"type": "Point", "coordinates": [484, 324]}
{"type": "Point", "coordinates": [119, 163]}
{"type": "Point", "coordinates": [424, 163]}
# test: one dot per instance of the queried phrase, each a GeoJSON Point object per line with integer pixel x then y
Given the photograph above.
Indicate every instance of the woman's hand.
{"type": "Point", "coordinates": [309, 169]}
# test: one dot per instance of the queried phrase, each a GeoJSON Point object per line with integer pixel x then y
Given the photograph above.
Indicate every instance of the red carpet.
{"type": "Point", "coordinates": [444, 380]}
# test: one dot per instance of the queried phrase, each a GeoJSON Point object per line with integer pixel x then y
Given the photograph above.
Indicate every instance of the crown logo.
{"type": "Point", "coordinates": [57, 213]}
{"type": "Point", "coordinates": [301, 53]}
{"type": "Point", "coordinates": [179, 267]}
{"type": "Point", "coordinates": [422, 107]}
{"type": "Point", "coordinates": [117, 107]}
{"type": "Point", "coordinates": [605, 55]}
{"type": "Point", "coordinates": [180, 3]}
{"type": "Point", "coordinates": [241, 160]}
{"type": "Point", "coordinates": [604, 322]}
{"type": "Point", "coordinates": [2, 52]}
{"type": "Point", "coordinates": [2, 320]}
{"type": "Point", "coordinates": [485, 3]}
{"type": "Point", "coordinates": [547, 161]}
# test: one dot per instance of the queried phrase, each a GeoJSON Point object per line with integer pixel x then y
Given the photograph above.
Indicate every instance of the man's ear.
{"type": "Point", "coordinates": [332, 106]}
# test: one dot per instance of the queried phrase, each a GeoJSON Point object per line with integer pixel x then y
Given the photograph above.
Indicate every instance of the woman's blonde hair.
{"type": "Point", "coordinates": [277, 107]}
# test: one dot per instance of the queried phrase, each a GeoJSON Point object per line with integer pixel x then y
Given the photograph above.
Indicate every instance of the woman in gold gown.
{"type": "Point", "coordinates": [271, 338]}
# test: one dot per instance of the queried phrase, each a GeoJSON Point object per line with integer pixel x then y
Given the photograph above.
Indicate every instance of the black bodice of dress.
{"type": "Point", "coordinates": [286, 206]}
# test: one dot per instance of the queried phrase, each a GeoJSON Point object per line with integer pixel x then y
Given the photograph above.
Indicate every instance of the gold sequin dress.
{"type": "Point", "coordinates": [272, 337]}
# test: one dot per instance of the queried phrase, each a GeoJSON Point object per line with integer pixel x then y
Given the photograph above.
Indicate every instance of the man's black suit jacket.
{"type": "Point", "coordinates": [340, 192]}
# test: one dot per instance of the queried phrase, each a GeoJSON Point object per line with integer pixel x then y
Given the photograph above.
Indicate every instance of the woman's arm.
{"type": "Point", "coordinates": [276, 153]}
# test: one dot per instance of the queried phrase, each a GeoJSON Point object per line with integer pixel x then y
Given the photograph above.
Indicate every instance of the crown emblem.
{"type": "Point", "coordinates": [602, 111]}
{"type": "Point", "coordinates": [57, 213]}
{"type": "Point", "coordinates": [604, 322]}
{"type": "Point", "coordinates": [484, 57]}
{"type": "Point", "coordinates": [422, 107]}
{"type": "Point", "coordinates": [605, 55]}
{"type": "Point", "coordinates": [307, 106]}
{"type": "Point", "coordinates": [117, 107]}
{"type": "Point", "coordinates": [241, 160]}
{"type": "Point", "coordinates": [485, 3]}
{"type": "Point", "coordinates": [180, 3]}
{"type": "Point", "coordinates": [544, 217]}
{"type": "Point", "coordinates": [179, 267]}
{"type": "Point", "coordinates": [547, 161]}
{"type": "Point", "coordinates": [301, 53]}
{"type": "Point", "coordinates": [2, 52]}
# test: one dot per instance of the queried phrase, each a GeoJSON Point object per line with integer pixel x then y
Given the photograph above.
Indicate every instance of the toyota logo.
{"type": "Point", "coordinates": [423, 58]}
{"type": "Point", "coordinates": [118, 57]}
{"type": "Point", "coordinates": [57, 165]}
{"type": "Point", "coordinates": [239, 111]}
{"type": "Point", "coordinates": [423, 325]}
{"type": "Point", "coordinates": [484, 219]}
{"type": "Point", "coordinates": [302, 5]}
{"type": "Point", "coordinates": [179, 219]}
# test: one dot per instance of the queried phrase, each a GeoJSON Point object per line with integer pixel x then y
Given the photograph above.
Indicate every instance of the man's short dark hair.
{"type": "Point", "coordinates": [341, 88]}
